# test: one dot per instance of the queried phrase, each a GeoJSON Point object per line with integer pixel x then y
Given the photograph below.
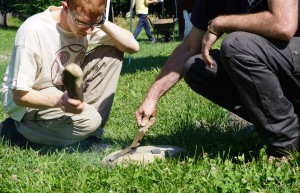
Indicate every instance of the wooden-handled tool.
{"type": "Point", "coordinates": [138, 137]}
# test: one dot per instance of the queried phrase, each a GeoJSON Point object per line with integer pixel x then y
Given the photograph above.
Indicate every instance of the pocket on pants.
{"type": "Point", "coordinates": [295, 52]}
{"type": "Point", "coordinates": [277, 108]}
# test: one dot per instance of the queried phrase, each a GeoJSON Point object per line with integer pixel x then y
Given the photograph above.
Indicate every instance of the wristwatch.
{"type": "Point", "coordinates": [101, 22]}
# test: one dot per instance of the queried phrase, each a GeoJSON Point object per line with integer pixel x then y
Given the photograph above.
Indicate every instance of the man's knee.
{"type": "Point", "coordinates": [109, 51]}
{"type": "Point", "coordinates": [88, 124]}
{"type": "Point", "coordinates": [64, 131]}
{"type": "Point", "coordinates": [80, 129]}
{"type": "Point", "coordinates": [197, 72]}
{"type": "Point", "coordinates": [238, 44]}
{"type": "Point", "coordinates": [103, 53]}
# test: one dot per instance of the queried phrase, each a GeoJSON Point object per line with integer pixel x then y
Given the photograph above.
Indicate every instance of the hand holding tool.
{"type": "Point", "coordinates": [139, 136]}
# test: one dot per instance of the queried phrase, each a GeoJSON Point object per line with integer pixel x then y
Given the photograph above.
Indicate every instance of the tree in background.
{"type": "Point", "coordinates": [24, 8]}
{"type": "Point", "coordinates": [7, 7]}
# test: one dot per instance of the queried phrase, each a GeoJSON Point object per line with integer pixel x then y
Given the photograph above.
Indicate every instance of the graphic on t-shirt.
{"type": "Point", "coordinates": [256, 5]}
{"type": "Point", "coordinates": [250, 2]}
{"type": "Point", "coordinates": [68, 54]}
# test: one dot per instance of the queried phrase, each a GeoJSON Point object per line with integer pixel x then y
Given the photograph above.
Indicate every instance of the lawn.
{"type": "Point", "coordinates": [218, 158]}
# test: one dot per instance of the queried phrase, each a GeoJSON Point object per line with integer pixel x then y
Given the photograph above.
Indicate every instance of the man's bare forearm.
{"type": "Point", "coordinates": [279, 22]}
{"type": "Point", "coordinates": [36, 99]}
{"type": "Point", "coordinates": [124, 40]}
{"type": "Point", "coordinates": [174, 68]}
{"type": "Point", "coordinates": [170, 74]}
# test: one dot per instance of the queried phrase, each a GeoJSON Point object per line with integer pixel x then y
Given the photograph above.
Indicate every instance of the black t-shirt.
{"type": "Point", "coordinates": [206, 10]}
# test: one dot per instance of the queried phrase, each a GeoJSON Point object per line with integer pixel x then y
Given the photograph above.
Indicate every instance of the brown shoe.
{"type": "Point", "coordinates": [282, 152]}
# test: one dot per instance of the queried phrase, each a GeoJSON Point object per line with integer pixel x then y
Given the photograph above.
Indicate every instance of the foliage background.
{"type": "Point", "coordinates": [23, 9]}
{"type": "Point", "coordinates": [26, 8]}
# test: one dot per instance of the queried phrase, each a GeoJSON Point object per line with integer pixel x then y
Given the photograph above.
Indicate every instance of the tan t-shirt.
{"type": "Point", "coordinates": [41, 50]}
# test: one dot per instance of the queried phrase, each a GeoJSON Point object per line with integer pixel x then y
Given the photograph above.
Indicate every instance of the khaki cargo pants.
{"type": "Point", "coordinates": [101, 68]}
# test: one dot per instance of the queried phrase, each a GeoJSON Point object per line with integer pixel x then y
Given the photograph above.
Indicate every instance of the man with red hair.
{"type": "Point", "coordinates": [33, 94]}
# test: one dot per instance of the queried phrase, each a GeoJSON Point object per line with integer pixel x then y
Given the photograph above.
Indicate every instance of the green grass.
{"type": "Point", "coordinates": [215, 161]}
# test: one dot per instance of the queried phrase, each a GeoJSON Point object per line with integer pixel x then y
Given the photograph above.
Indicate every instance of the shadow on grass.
{"type": "Point", "coordinates": [85, 146]}
{"type": "Point", "coordinates": [227, 143]}
{"type": "Point", "coordinates": [197, 140]}
{"type": "Point", "coordinates": [161, 39]}
{"type": "Point", "coordinates": [142, 64]}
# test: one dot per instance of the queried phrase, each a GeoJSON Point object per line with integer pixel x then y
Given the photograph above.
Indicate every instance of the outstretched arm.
{"type": "Point", "coordinates": [39, 100]}
{"type": "Point", "coordinates": [170, 74]}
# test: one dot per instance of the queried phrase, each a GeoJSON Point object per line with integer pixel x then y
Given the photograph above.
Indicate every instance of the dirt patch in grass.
{"type": "Point", "coordinates": [4, 58]}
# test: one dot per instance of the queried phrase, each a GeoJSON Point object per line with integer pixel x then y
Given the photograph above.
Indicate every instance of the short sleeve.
{"type": "Point", "coordinates": [25, 60]}
{"type": "Point", "coordinates": [204, 11]}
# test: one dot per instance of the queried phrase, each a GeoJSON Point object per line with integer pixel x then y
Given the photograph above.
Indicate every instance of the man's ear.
{"type": "Point", "coordinates": [65, 6]}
